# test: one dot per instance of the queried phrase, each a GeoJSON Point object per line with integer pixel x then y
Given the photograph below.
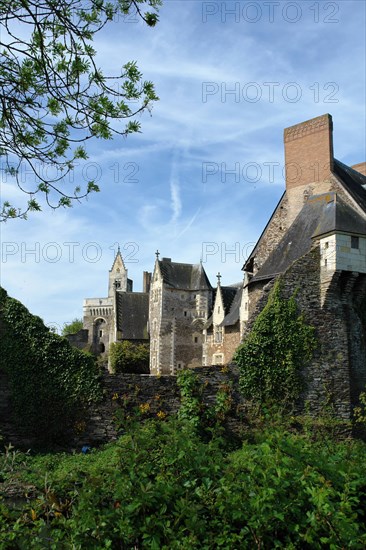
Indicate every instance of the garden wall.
{"type": "Point", "coordinates": [157, 395]}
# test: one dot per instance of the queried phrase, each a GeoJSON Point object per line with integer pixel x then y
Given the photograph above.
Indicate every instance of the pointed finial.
{"type": "Point", "coordinates": [157, 253]}
{"type": "Point", "coordinates": [218, 277]}
{"type": "Point", "coordinates": [118, 249]}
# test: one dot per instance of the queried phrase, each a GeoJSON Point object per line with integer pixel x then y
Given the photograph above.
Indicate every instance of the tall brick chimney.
{"type": "Point", "coordinates": [309, 151]}
{"type": "Point", "coordinates": [308, 161]}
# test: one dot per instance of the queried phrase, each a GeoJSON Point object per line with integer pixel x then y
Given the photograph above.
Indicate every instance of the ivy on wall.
{"type": "Point", "coordinates": [272, 357]}
{"type": "Point", "coordinates": [50, 380]}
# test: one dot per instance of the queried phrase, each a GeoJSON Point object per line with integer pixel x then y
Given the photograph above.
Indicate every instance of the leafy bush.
{"type": "Point", "coordinates": [73, 327]}
{"type": "Point", "coordinates": [50, 380]}
{"type": "Point", "coordinates": [194, 414]}
{"type": "Point", "coordinates": [162, 487]}
{"type": "Point", "coordinates": [191, 407]}
{"type": "Point", "coordinates": [128, 357]}
{"type": "Point", "coordinates": [276, 350]}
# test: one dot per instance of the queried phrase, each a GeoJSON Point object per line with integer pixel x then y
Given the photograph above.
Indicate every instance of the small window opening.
{"type": "Point", "coordinates": [355, 242]}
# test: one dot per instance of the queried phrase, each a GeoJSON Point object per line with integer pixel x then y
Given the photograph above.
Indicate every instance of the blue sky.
{"type": "Point", "coordinates": [206, 172]}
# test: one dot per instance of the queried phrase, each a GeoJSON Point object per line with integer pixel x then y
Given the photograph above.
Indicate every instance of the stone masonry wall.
{"type": "Point", "coordinates": [337, 372]}
{"type": "Point", "coordinates": [272, 234]}
{"type": "Point", "coordinates": [226, 348]}
{"type": "Point", "coordinates": [328, 375]}
{"type": "Point", "coordinates": [160, 393]}
{"type": "Point", "coordinates": [283, 217]}
{"type": "Point", "coordinates": [178, 330]}
{"type": "Point", "coordinates": [298, 195]}
{"type": "Point", "coordinates": [287, 210]}
{"type": "Point", "coordinates": [155, 310]}
{"type": "Point", "coordinates": [231, 341]}
{"type": "Point", "coordinates": [79, 339]}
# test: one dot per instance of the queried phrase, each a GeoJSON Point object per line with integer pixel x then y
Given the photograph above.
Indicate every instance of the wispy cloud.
{"type": "Point", "coordinates": [153, 194]}
{"type": "Point", "coordinates": [176, 203]}
{"type": "Point", "coordinates": [175, 197]}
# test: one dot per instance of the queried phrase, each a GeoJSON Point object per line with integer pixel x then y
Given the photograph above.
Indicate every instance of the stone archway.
{"type": "Point", "coordinates": [99, 335]}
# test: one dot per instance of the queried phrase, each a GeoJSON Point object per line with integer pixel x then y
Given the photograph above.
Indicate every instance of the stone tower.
{"type": "Point", "coordinates": [99, 314]}
{"type": "Point", "coordinates": [180, 302]}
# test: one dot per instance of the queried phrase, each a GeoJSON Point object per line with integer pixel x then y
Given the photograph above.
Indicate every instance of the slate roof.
{"type": "Point", "coordinates": [338, 216]}
{"type": "Point", "coordinates": [184, 276]}
{"type": "Point", "coordinates": [132, 315]}
{"type": "Point", "coordinates": [208, 323]}
{"type": "Point", "coordinates": [320, 215]}
{"type": "Point", "coordinates": [228, 294]}
{"type": "Point", "coordinates": [353, 181]}
{"type": "Point", "coordinates": [231, 302]}
{"type": "Point", "coordinates": [234, 314]}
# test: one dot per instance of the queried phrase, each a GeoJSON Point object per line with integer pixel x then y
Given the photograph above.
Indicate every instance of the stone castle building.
{"type": "Point", "coordinates": [180, 304]}
{"type": "Point", "coordinates": [122, 315]}
{"type": "Point", "coordinates": [315, 241]}
{"type": "Point", "coordinates": [221, 334]}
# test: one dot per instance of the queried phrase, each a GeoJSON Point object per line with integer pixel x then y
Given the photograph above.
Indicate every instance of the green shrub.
{"type": "Point", "coordinates": [161, 487]}
{"type": "Point", "coordinates": [128, 357]}
{"type": "Point", "coordinates": [50, 380]}
{"type": "Point", "coordinates": [73, 327]}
